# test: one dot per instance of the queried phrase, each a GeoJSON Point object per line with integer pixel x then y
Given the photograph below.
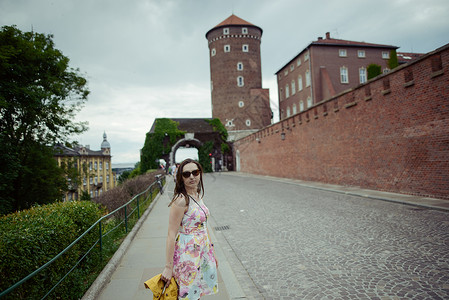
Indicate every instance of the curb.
{"type": "Point", "coordinates": [104, 277]}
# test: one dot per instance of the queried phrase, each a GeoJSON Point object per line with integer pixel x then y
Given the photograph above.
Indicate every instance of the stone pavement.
{"type": "Point", "coordinates": [288, 239]}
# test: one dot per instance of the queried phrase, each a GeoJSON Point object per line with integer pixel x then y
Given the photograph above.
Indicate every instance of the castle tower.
{"type": "Point", "coordinates": [238, 98]}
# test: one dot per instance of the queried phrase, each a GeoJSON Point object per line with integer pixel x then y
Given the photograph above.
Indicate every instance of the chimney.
{"type": "Point", "coordinates": [320, 38]}
{"type": "Point", "coordinates": [328, 35]}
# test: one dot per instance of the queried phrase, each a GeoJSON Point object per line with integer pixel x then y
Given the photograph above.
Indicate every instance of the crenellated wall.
{"type": "Point", "coordinates": [390, 134]}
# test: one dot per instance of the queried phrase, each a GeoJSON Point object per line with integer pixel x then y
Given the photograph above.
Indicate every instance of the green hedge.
{"type": "Point", "coordinates": [30, 238]}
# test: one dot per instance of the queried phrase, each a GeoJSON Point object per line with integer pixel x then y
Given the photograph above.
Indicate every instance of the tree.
{"type": "Point", "coordinates": [393, 60]}
{"type": "Point", "coordinates": [373, 70]}
{"type": "Point", "coordinates": [39, 97]}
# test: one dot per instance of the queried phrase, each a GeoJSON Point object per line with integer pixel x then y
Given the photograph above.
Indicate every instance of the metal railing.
{"type": "Point", "coordinates": [129, 211]}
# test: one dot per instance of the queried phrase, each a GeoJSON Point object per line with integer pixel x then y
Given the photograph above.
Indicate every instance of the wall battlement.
{"type": "Point", "coordinates": [389, 134]}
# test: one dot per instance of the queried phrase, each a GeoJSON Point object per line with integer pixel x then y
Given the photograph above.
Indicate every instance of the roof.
{"type": "Point", "coordinates": [61, 150]}
{"type": "Point", "coordinates": [233, 20]}
{"type": "Point", "coordinates": [328, 41]}
{"type": "Point", "coordinates": [190, 125]}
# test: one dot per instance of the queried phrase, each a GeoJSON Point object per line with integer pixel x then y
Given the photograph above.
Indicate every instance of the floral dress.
{"type": "Point", "coordinates": [194, 264]}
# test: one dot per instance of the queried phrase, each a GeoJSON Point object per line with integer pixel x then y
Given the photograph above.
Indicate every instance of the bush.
{"type": "Point", "coordinates": [121, 194]}
{"type": "Point", "coordinates": [30, 238]}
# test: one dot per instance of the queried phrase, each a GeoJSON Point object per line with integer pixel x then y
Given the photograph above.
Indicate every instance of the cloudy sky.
{"type": "Point", "coordinates": [147, 59]}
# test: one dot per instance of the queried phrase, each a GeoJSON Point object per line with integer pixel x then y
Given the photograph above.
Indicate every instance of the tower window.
{"type": "Point", "coordinates": [239, 66]}
{"type": "Point", "coordinates": [227, 48]}
{"type": "Point", "coordinates": [245, 48]}
{"type": "Point", "coordinates": [240, 81]}
{"type": "Point", "coordinates": [241, 103]}
{"type": "Point", "coordinates": [213, 52]}
{"type": "Point", "coordinates": [225, 30]}
{"type": "Point", "coordinates": [244, 30]}
{"type": "Point", "coordinates": [248, 122]}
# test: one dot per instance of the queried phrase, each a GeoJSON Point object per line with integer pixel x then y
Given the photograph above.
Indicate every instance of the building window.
{"type": "Point", "coordinates": [298, 62]}
{"type": "Point", "coordinates": [344, 75]}
{"type": "Point", "coordinates": [90, 166]}
{"type": "Point", "coordinates": [281, 93]}
{"type": "Point", "coordinates": [248, 122]}
{"type": "Point", "coordinates": [225, 30]}
{"type": "Point", "coordinates": [307, 78]}
{"type": "Point", "coordinates": [292, 67]}
{"type": "Point", "coordinates": [91, 180]}
{"type": "Point", "coordinates": [288, 111]}
{"type": "Point", "coordinates": [245, 48]}
{"type": "Point", "coordinates": [285, 72]}
{"type": "Point", "coordinates": [239, 66]}
{"type": "Point", "coordinates": [386, 70]}
{"type": "Point", "coordinates": [244, 30]}
{"type": "Point", "coordinates": [213, 52]}
{"type": "Point", "coordinates": [241, 103]}
{"type": "Point", "coordinates": [342, 53]}
{"type": "Point", "coordinates": [287, 91]}
{"type": "Point", "coordinates": [293, 87]}
{"type": "Point", "coordinates": [101, 179]}
{"type": "Point", "coordinates": [240, 81]}
{"type": "Point", "coordinates": [294, 109]}
{"type": "Point", "coordinates": [227, 48]}
{"type": "Point", "coordinates": [309, 102]}
{"type": "Point", "coordinates": [385, 55]}
{"type": "Point", "coordinates": [361, 53]}
{"type": "Point", "coordinates": [91, 194]}
{"type": "Point", "coordinates": [96, 166]}
{"type": "Point", "coordinates": [301, 105]}
{"type": "Point", "coordinates": [107, 178]}
{"type": "Point", "coordinates": [362, 75]}
{"type": "Point", "coordinates": [306, 56]}
{"type": "Point", "coordinates": [107, 166]}
{"type": "Point", "coordinates": [101, 165]}
{"type": "Point", "coordinates": [96, 193]}
{"type": "Point", "coordinates": [299, 83]}
{"type": "Point", "coordinates": [96, 180]}
{"type": "Point", "coordinates": [230, 123]}
{"type": "Point", "coordinates": [84, 181]}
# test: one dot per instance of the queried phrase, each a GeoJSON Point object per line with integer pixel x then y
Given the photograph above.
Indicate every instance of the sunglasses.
{"type": "Point", "coordinates": [187, 174]}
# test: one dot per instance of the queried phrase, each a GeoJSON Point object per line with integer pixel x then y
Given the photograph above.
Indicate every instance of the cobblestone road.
{"type": "Point", "coordinates": [296, 242]}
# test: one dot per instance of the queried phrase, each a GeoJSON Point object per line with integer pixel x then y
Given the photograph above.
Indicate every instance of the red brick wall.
{"type": "Point", "coordinates": [391, 134]}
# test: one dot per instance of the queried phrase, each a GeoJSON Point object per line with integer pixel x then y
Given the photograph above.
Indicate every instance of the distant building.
{"type": "Point", "coordinates": [94, 168]}
{"type": "Point", "coordinates": [325, 68]}
{"type": "Point", "coordinates": [238, 99]}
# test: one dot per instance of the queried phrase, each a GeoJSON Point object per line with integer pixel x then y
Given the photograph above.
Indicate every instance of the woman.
{"type": "Point", "coordinates": [190, 256]}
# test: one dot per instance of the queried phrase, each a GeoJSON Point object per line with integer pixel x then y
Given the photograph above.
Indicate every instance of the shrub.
{"type": "Point", "coordinates": [30, 238]}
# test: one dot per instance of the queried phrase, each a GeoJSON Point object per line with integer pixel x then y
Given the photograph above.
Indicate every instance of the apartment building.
{"type": "Point", "coordinates": [325, 68]}
{"type": "Point", "coordinates": [94, 169]}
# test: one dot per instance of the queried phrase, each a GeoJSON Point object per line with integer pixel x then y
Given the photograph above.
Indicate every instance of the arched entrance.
{"type": "Point", "coordinates": [188, 141]}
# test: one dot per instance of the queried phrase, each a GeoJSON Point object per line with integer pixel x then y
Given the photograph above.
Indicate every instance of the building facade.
{"type": "Point", "coordinates": [325, 68]}
{"type": "Point", "coordinates": [94, 169]}
{"type": "Point", "coordinates": [238, 99]}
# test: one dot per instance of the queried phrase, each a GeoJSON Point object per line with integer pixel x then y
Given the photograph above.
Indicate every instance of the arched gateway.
{"type": "Point", "coordinates": [199, 134]}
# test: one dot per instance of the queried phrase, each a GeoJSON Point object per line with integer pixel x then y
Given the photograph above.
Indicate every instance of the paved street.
{"type": "Point", "coordinates": [287, 241]}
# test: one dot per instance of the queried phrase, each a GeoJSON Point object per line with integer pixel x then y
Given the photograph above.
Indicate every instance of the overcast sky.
{"type": "Point", "coordinates": [147, 59]}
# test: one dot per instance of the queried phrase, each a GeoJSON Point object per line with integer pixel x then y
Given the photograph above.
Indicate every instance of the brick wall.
{"type": "Point", "coordinates": [390, 134]}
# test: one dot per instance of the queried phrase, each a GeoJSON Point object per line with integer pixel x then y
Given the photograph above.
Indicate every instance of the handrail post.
{"type": "Point", "coordinates": [101, 240]}
{"type": "Point", "coordinates": [126, 220]}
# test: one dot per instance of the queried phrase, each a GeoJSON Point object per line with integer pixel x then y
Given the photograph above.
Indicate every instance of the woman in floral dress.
{"type": "Point", "coordinates": [190, 256]}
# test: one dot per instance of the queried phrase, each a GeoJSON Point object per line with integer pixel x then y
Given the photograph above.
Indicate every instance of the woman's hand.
{"type": "Point", "coordinates": [167, 274]}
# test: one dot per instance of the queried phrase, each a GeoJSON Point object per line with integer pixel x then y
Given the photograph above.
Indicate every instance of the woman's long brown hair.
{"type": "Point", "coordinates": [180, 187]}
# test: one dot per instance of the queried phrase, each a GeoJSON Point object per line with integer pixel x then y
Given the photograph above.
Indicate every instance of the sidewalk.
{"type": "Point", "coordinates": [144, 257]}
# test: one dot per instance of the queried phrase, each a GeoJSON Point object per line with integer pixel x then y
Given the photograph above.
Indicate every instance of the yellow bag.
{"type": "Point", "coordinates": [156, 285]}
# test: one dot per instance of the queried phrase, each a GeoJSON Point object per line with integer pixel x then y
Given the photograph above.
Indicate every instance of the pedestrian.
{"type": "Point", "coordinates": [190, 255]}
{"type": "Point", "coordinates": [175, 171]}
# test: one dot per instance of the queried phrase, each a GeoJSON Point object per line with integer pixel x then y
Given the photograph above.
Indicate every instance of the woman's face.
{"type": "Point", "coordinates": [191, 181]}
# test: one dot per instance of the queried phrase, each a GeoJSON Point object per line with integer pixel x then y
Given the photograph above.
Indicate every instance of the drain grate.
{"type": "Point", "coordinates": [221, 228]}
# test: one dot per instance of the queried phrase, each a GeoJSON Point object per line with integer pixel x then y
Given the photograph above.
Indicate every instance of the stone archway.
{"type": "Point", "coordinates": [190, 140]}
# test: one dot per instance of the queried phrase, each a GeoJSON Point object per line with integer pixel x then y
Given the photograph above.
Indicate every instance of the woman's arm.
{"type": "Point", "coordinates": [177, 210]}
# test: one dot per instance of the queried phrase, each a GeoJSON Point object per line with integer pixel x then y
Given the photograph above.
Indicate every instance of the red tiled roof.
{"type": "Point", "coordinates": [234, 20]}
{"type": "Point", "coordinates": [331, 41]}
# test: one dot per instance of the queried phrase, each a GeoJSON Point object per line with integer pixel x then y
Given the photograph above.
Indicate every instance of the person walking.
{"type": "Point", "coordinates": [190, 255]}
